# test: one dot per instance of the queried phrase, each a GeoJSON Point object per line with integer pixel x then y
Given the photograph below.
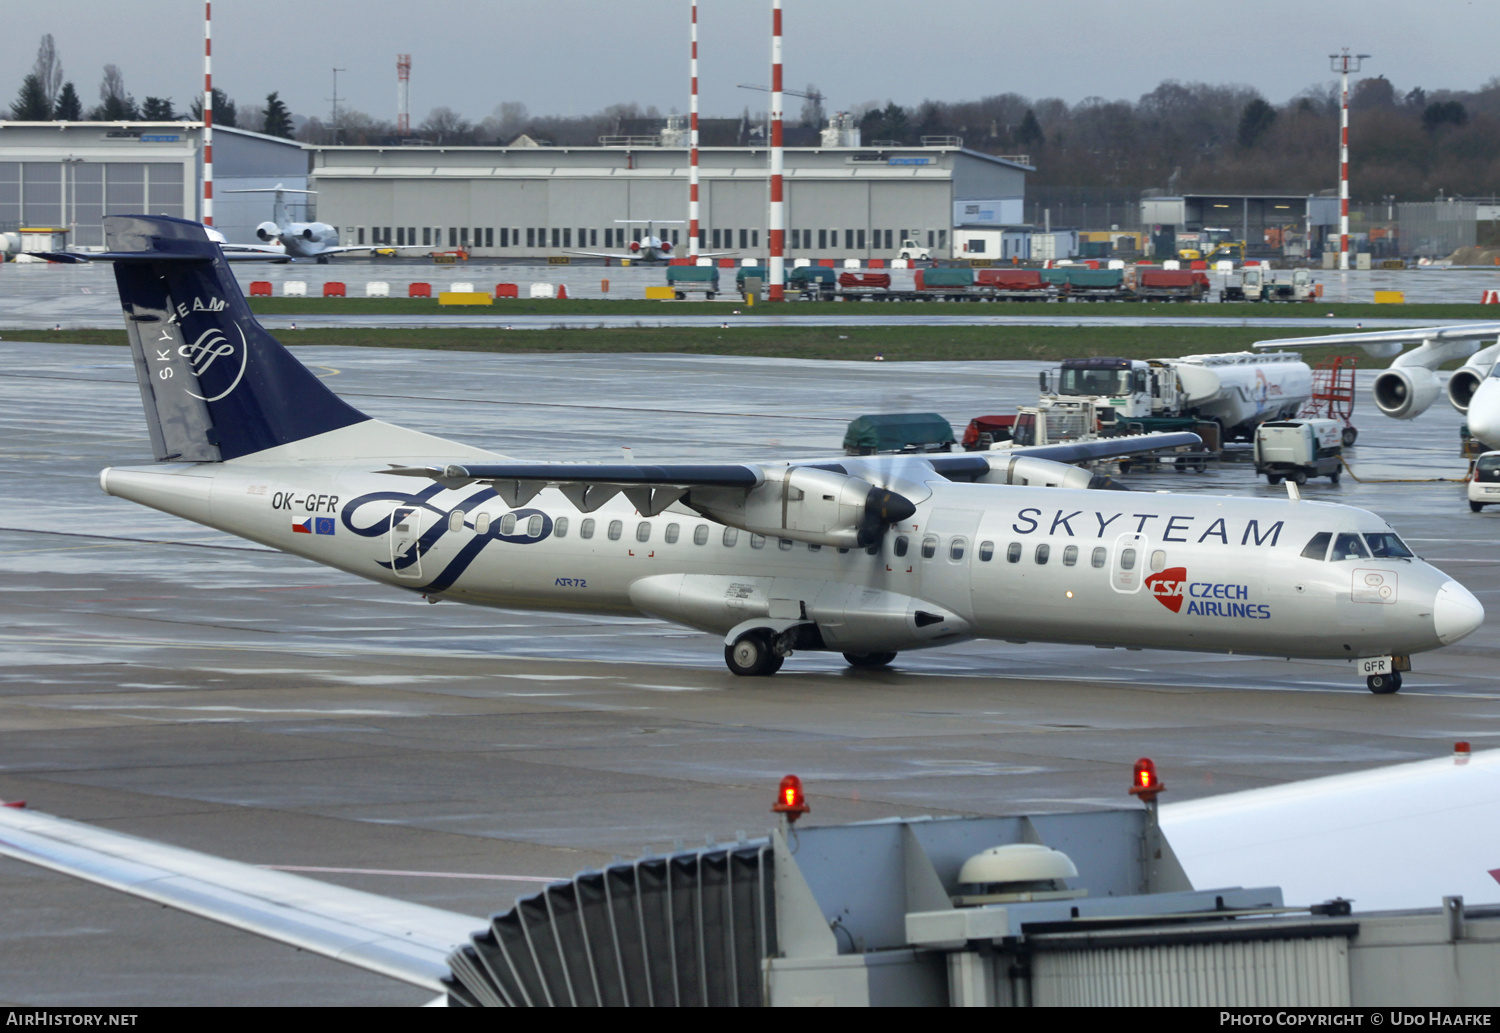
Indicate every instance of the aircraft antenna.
{"type": "Point", "coordinates": [1344, 63]}
{"type": "Point", "coordinates": [208, 114]}
{"type": "Point", "coordinates": [403, 94]}
{"type": "Point", "coordinates": [693, 141]}
{"type": "Point", "coordinates": [778, 216]}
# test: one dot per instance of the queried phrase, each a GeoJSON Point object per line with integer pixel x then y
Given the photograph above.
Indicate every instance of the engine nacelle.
{"type": "Point", "coordinates": [1040, 473]}
{"type": "Point", "coordinates": [1405, 392]}
{"type": "Point", "coordinates": [1463, 384]}
{"type": "Point", "coordinates": [268, 231]}
{"type": "Point", "coordinates": [807, 505]}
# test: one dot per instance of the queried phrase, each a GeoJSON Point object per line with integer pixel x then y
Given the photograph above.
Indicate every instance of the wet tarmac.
{"type": "Point", "coordinates": [41, 296]}
{"type": "Point", "coordinates": [164, 679]}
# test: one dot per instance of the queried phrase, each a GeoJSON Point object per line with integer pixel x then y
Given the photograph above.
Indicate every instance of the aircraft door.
{"type": "Point", "coordinates": [406, 531]}
{"type": "Point", "coordinates": [1127, 566]}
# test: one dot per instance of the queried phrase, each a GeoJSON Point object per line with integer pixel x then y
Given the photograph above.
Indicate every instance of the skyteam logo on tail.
{"type": "Point", "coordinates": [209, 348]}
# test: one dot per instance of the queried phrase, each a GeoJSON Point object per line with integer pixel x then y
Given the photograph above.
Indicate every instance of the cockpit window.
{"type": "Point", "coordinates": [1317, 549]}
{"type": "Point", "coordinates": [1349, 547]}
{"type": "Point", "coordinates": [1384, 545]}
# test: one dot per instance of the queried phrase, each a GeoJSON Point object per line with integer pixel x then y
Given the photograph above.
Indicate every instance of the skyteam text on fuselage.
{"type": "Point", "coordinates": [864, 556]}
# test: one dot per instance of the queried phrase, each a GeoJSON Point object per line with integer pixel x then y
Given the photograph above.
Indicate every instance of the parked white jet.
{"type": "Point", "coordinates": [864, 556]}
{"type": "Point", "coordinates": [649, 248]}
{"type": "Point", "coordinates": [1410, 385]}
{"type": "Point", "coordinates": [302, 239]}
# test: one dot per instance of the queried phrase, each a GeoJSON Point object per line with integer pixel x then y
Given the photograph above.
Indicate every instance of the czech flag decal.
{"type": "Point", "coordinates": [303, 528]}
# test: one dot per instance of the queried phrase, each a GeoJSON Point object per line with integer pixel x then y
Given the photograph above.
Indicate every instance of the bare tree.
{"type": "Point", "coordinates": [444, 125]}
{"type": "Point", "coordinates": [48, 70]}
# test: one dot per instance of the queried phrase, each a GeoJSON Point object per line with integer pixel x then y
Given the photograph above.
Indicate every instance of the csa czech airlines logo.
{"type": "Point", "coordinates": [1167, 587]}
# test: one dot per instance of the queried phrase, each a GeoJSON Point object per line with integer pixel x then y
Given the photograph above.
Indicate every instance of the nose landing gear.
{"type": "Point", "coordinates": [1384, 684]}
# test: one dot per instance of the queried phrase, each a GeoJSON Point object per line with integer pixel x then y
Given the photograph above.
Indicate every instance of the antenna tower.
{"type": "Point", "coordinates": [403, 94]}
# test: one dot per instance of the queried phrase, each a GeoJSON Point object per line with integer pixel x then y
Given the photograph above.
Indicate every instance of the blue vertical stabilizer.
{"type": "Point", "coordinates": [215, 384]}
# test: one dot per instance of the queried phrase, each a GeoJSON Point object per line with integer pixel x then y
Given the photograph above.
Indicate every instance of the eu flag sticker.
{"type": "Point", "coordinates": [324, 525]}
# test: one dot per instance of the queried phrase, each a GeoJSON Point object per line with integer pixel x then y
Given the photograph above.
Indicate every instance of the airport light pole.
{"type": "Point", "coordinates": [693, 141]}
{"type": "Point", "coordinates": [777, 233]}
{"type": "Point", "coordinates": [1344, 63]}
{"type": "Point", "coordinates": [208, 114]}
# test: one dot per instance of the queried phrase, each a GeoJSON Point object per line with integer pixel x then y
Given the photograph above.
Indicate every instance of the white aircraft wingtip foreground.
{"type": "Point", "coordinates": [1392, 838]}
{"type": "Point", "coordinates": [866, 556]}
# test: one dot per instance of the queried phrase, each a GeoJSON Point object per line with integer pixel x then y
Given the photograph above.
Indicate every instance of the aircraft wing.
{"type": "Point", "coordinates": [589, 485]}
{"type": "Point", "coordinates": [340, 249]}
{"type": "Point", "coordinates": [232, 253]}
{"type": "Point", "coordinates": [637, 256]}
{"type": "Point", "coordinates": [1107, 448]}
{"type": "Point", "coordinates": [395, 938]}
{"type": "Point", "coordinates": [1395, 837]}
{"type": "Point", "coordinates": [1387, 343]}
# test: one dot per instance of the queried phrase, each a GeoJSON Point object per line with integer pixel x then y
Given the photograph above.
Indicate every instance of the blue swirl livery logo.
{"type": "Point", "coordinates": [209, 348]}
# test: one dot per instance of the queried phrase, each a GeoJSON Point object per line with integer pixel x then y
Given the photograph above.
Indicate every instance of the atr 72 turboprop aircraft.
{"type": "Point", "coordinates": [863, 556]}
{"type": "Point", "coordinates": [1410, 385]}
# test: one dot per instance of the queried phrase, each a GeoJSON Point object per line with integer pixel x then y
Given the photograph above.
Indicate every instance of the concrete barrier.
{"type": "Point", "coordinates": [750, 263]}
{"type": "Point", "coordinates": [876, 263]}
{"type": "Point", "coordinates": [541, 290]}
{"type": "Point", "coordinates": [507, 290]}
{"type": "Point", "coordinates": [900, 263]}
{"type": "Point", "coordinates": [294, 289]}
{"type": "Point", "coordinates": [851, 263]}
{"type": "Point", "coordinates": [1171, 264]}
{"type": "Point", "coordinates": [377, 289]}
{"type": "Point", "coordinates": [260, 288]}
{"type": "Point", "coordinates": [333, 289]}
{"type": "Point", "coordinates": [461, 288]}
{"type": "Point", "coordinates": [801, 263]}
{"type": "Point", "coordinates": [1117, 263]}
{"type": "Point", "coordinates": [706, 261]}
{"type": "Point", "coordinates": [419, 290]}
{"type": "Point", "coordinates": [1223, 267]}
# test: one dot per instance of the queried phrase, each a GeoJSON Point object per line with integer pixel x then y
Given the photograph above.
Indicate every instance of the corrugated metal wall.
{"type": "Point", "coordinates": [1258, 973]}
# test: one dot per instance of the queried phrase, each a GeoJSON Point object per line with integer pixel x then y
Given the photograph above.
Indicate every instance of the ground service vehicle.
{"type": "Point", "coordinates": [898, 432]}
{"type": "Point", "coordinates": [1299, 449]}
{"type": "Point", "coordinates": [1171, 285]}
{"type": "Point", "coordinates": [693, 279]}
{"type": "Point", "coordinates": [1484, 482]}
{"type": "Point", "coordinates": [912, 252]}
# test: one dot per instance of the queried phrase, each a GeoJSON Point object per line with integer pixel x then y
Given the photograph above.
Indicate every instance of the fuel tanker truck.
{"type": "Point", "coordinates": [1238, 390]}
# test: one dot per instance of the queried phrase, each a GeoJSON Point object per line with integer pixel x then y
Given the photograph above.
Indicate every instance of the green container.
{"type": "Point", "coordinates": [751, 270]}
{"type": "Point", "coordinates": [692, 274]}
{"type": "Point", "coordinates": [962, 277]}
{"type": "Point", "coordinates": [1098, 279]}
{"type": "Point", "coordinates": [893, 432]}
{"type": "Point", "coordinates": [811, 274]}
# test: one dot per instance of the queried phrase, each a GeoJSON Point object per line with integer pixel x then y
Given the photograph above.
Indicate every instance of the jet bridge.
{"type": "Point", "coordinates": [875, 914]}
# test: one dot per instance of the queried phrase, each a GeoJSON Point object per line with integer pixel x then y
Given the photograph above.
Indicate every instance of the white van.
{"type": "Point", "coordinates": [1484, 482]}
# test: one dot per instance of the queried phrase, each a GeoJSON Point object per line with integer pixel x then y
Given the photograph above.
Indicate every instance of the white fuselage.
{"type": "Point", "coordinates": [1202, 573]}
{"type": "Point", "coordinates": [307, 239]}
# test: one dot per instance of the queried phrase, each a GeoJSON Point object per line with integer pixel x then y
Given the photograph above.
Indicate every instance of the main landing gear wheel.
{"type": "Point", "coordinates": [866, 661]}
{"type": "Point", "coordinates": [1384, 684]}
{"type": "Point", "coordinates": [751, 656]}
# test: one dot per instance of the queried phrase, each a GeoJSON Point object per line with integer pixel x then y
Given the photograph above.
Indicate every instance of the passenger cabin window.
{"type": "Point", "coordinates": [643, 531]}
{"type": "Point", "coordinates": [812, 547]}
{"type": "Point", "coordinates": [700, 534]}
{"type": "Point", "coordinates": [956, 550]}
{"type": "Point", "coordinates": [1101, 554]}
{"type": "Point", "coordinates": [616, 528]}
{"type": "Point", "coordinates": [1013, 552]}
{"type": "Point", "coordinates": [1043, 553]}
{"type": "Point", "coordinates": [482, 523]}
{"type": "Point", "coordinates": [929, 547]}
{"type": "Point", "coordinates": [1127, 559]}
{"type": "Point", "coordinates": [731, 536]}
{"type": "Point", "coordinates": [901, 544]}
{"type": "Point", "coordinates": [673, 530]}
{"type": "Point", "coordinates": [1317, 549]}
{"type": "Point", "coordinates": [586, 529]}
{"type": "Point", "coordinates": [1349, 547]}
{"type": "Point", "coordinates": [560, 527]}
{"type": "Point", "coordinates": [784, 544]}
{"type": "Point", "coordinates": [757, 541]}
{"type": "Point", "coordinates": [456, 520]}
{"type": "Point", "coordinates": [1384, 545]}
{"type": "Point", "coordinates": [986, 551]}
{"type": "Point", "coordinates": [1158, 560]}
{"type": "Point", "coordinates": [508, 524]}
{"type": "Point", "coordinates": [534, 525]}
{"type": "Point", "coordinates": [1070, 556]}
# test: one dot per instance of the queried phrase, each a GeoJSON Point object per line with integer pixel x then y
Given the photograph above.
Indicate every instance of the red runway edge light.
{"type": "Point", "coordinates": [1144, 783]}
{"type": "Point", "coordinates": [790, 800]}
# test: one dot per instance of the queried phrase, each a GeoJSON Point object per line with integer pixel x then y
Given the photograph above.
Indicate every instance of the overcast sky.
{"type": "Point", "coordinates": [576, 56]}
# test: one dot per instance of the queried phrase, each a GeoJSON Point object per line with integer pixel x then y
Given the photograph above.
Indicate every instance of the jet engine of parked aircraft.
{"type": "Point", "coordinates": [1406, 392]}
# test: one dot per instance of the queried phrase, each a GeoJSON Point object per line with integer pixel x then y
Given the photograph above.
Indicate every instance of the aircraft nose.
{"type": "Point", "coordinates": [1455, 613]}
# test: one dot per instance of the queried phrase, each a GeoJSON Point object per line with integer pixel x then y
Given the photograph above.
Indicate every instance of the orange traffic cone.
{"type": "Point", "coordinates": [562, 290]}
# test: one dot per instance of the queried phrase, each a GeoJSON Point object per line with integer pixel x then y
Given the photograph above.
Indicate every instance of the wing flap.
{"type": "Point", "coordinates": [394, 938]}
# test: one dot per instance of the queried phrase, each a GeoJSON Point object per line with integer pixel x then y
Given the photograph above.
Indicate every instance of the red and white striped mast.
{"type": "Point", "coordinates": [403, 94]}
{"type": "Point", "coordinates": [778, 214]}
{"type": "Point", "coordinates": [1344, 63]}
{"type": "Point", "coordinates": [693, 143]}
{"type": "Point", "coordinates": [208, 114]}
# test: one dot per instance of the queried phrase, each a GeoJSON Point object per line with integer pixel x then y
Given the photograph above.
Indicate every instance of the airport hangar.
{"type": "Point", "coordinates": [509, 202]}
{"type": "Point", "coordinates": [70, 174]}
